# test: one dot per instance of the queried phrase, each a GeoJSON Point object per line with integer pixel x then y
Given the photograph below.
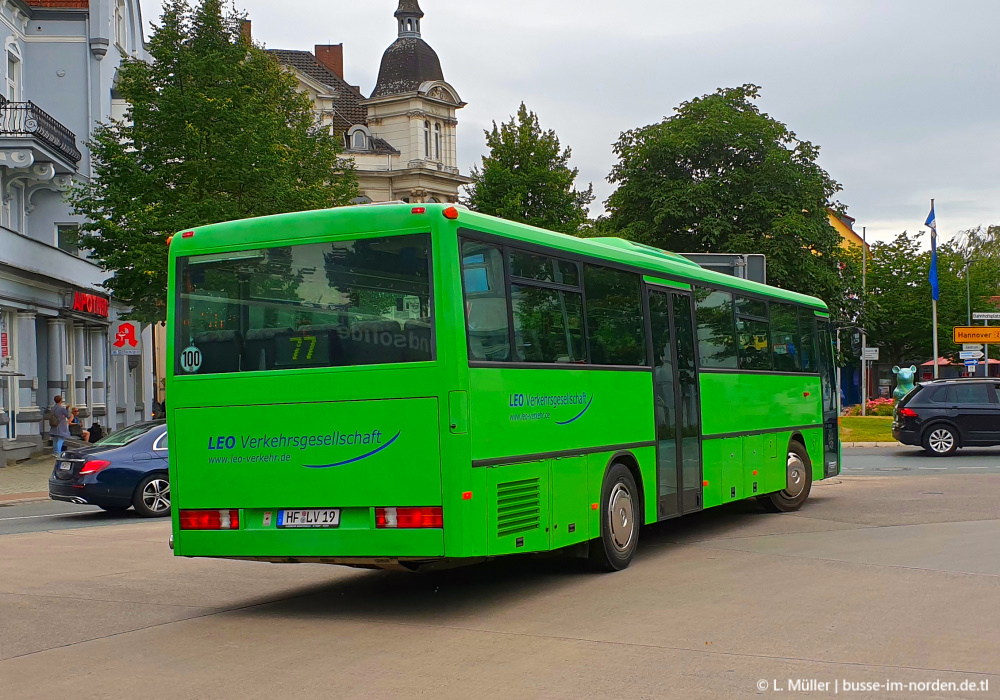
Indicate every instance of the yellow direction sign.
{"type": "Point", "coordinates": [977, 334]}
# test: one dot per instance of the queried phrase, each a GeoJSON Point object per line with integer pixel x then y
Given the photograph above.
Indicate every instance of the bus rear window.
{"type": "Point", "coordinates": [336, 304]}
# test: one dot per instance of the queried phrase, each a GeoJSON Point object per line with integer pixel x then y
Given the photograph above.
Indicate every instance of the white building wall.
{"type": "Point", "coordinates": [69, 61]}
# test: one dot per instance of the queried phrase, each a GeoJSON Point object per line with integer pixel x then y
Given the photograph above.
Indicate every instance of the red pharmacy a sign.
{"type": "Point", "coordinates": [90, 304]}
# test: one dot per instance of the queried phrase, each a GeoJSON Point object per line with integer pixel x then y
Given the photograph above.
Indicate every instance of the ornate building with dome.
{"type": "Point", "coordinates": [403, 138]}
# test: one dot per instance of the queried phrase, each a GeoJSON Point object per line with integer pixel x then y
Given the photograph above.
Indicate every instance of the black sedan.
{"type": "Point", "coordinates": [126, 469]}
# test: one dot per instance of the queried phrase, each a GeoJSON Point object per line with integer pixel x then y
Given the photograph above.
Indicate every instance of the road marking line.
{"type": "Point", "coordinates": [51, 515]}
{"type": "Point", "coordinates": [976, 467]}
{"type": "Point", "coordinates": [935, 468]}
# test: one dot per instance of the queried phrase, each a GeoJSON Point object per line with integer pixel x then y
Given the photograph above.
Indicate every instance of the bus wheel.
{"type": "Point", "coordinates": [620, 509]}
{"type": "Point", "coordinates": [798, 482]}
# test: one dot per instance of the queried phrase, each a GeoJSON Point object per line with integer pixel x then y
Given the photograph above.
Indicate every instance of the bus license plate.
{"type": "Point", "coordinates": [313, 517]}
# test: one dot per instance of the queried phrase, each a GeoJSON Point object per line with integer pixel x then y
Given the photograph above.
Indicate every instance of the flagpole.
{"type": "Point", "coordinates": [934, 317]}
{"type": "Point", "coordinates": [864, 335]}
{"type": "Point", "coordinates": [934, 323]}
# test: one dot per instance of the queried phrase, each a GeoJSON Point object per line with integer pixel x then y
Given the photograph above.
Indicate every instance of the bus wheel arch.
{"type": "Point", "coordinates": [632, 464]}
{"type": "Point", "coordinates": [621, 511]}
{"type": "Point", "coordinates": [798, 480]}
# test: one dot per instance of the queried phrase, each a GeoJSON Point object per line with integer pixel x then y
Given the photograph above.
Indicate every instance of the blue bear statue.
{"type": "Point", "coordinates": [904, 381]}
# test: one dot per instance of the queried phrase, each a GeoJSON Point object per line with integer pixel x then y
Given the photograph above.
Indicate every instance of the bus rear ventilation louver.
{"type": "Point", "coordinates": [518, 507]}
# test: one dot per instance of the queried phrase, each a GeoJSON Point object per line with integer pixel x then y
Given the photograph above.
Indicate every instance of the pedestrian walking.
{"type": "Point", "coordinates": [60, 424]}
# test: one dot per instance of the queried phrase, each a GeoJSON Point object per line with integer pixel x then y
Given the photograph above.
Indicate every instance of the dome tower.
{"type": "Point", "coordinates": [409, 61]}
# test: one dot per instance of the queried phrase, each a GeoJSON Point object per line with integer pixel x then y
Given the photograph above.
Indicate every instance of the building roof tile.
{"type": "Point", "coordinates": [347, 103]}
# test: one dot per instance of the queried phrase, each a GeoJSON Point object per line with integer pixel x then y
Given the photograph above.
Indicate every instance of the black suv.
{"type": "Point", "coordinates": [946, 414]}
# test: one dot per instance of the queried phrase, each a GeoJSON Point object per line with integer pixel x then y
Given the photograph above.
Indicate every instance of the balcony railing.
{"type": "Point", "coordinates": [28, 119]}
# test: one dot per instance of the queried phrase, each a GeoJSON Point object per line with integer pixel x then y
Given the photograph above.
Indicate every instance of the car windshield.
{"type": "Point", "coordinates": [125, 435]}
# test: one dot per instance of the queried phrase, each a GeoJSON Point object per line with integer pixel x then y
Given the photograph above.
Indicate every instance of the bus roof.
{"type": "Point", "coordinates": [316, 225]}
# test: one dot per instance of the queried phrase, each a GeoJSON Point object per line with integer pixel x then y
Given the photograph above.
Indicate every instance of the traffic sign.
{"type": "Point", "coordinates": [971, 363]}
{"type": "Point", "coordinates": [970, 355]}
{"type": "Point", "coordinates": [871, 354]}
{"type": "Point", "coordinates": [972, 346]}
{"type": "Point", "coordinates": [988, 316]}
{"type": "Point", "coordinates": [976, 334]}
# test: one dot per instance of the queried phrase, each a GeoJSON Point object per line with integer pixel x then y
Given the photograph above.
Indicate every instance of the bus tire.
{"type": "Point", "coordinates": [798, 482]}
{"type": "Point", "coordinates": [620, 510]}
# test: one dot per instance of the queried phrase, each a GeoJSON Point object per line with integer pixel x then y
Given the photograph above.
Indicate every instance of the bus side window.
{"type": "Point", "coordinates": [614, 316]}
{"type": "Point", "coordinates": [485, 301]}
{"type": "Point", "coordinates": [716, 328]}
{"type": "Point", "coordinates": [785, 343]}
{"type": "Point", "coordinates": [807, 331]}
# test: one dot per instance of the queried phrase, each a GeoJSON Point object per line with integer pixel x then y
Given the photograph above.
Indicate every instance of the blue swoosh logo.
{"type": "Point", "coordinates": [567, 422]}
{"type": "Point", "coordinates": [353, 459]}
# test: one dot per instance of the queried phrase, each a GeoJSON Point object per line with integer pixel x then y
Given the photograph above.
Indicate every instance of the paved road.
{"type": "Point", "coordinates": [913, 460]}
{"type": "Point", "coordinates": [877, 578]}
{"type": "Point", "coordinates": [55, 515]}
{"type": "Point", "coordinates": [884, 461]}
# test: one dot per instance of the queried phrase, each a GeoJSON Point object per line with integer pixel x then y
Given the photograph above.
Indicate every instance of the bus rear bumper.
{"type": "Point", "coordinates": [310, 544]}
{"type": "Point", "coordinates": [411, 564]}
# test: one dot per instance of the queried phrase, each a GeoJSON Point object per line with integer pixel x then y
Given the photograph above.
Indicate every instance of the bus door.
{"type": "Point", "coordinates": [831, 413]}
{"type": "Point", "coordinates": [676, 401]}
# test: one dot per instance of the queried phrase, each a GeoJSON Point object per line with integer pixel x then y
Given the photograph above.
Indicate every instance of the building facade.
{"type": "Point", "coordinates": [403, 138]}
{"type": "Point", "coordinates": [58, 327]}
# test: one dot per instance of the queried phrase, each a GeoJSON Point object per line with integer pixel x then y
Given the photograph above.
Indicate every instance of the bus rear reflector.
{"type": "Point", "coordinates": [451, 213]}
{"type": "Point", "coordinates": [210, 519]}
{"type": "Point", "coordinates": [187, 234]}
{"type": "Point", "coordinates": [410, 517]}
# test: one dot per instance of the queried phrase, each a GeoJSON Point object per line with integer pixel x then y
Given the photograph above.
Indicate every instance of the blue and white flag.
{"type": "Point", "coordinates": [932, 275]}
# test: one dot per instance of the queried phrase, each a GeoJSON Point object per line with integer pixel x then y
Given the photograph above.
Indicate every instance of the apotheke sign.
{"type": "Point", "coordinates": [90, 304]}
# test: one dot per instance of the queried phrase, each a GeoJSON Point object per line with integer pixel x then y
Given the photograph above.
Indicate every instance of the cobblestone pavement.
{"type": "Point", "coordinates": [30, 476]}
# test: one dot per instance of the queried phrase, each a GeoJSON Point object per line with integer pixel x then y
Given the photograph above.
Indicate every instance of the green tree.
{"type": "Point", "coordinates": [526, 177]}
{"type": "Point", "coordinates": [215, 130]}
{"type": "Point", "coordinates": [719, 175]}
{"type": "Point", "coordinates": [897, 299]}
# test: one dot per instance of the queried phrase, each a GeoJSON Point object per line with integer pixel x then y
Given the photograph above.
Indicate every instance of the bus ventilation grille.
{"type": "Point", "coordinates": [518, 507]}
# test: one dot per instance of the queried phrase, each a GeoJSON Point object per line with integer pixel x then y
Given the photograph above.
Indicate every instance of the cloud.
{"type": "Point", "coordinates": [903, 96]}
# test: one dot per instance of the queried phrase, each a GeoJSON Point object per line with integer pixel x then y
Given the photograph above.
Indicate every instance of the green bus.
{"type": "Point", "coordinates": [417, 386]}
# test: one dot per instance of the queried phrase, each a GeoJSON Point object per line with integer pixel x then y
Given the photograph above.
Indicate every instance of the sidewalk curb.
{"type": "Point", "coordinates": [13, 499]}
{"type": "Point", "coordinates": [870, 444]}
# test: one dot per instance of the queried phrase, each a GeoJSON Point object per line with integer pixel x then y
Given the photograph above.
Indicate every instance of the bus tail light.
{"type": "Point", "coordinates": [93, 466]}
{"type": "Point", "coordinates": [210, 519]}
{"type": "Point", "coordinates": [450, 213]}
{"type": "Point", "coordinates": [409, 518]}
{"type": "Point", "coordinates": [907, 413]}
{"type": "Point", "coordinates": [418, 210]}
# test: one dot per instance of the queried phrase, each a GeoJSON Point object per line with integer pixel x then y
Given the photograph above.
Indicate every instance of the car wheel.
{"type": "Point", "coordinates": [152, 496]}
{"type": "Point", "coordinates": [940, 440]}
{"type": "Point", "coordinates": [620, 509]}
{"type": "Point", "coordinates": [798, 482]}
{"type": "Point", "coordinates": [115, 510]}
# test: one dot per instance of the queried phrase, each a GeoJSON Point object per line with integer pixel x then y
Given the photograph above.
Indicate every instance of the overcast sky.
{"type": "Point", "coordinates": [903, 96]}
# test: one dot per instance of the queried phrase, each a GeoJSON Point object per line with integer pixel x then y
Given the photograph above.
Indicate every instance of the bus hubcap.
{"type": "Point", "coordinates": [620, 517]}
{"type": "Point", "coordinates": [941, 440]}
{"type": "Point", "coordinates": [796, 476]}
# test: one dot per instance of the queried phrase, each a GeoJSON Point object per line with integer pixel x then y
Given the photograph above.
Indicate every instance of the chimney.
{"type": "Point", "coordinates": [331, 56]}
{"type": "Point", "coordinates": [245, 31]}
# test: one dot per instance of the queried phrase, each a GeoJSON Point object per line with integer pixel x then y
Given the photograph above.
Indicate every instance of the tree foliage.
{"type": "Point", "coordinates": [896, 311]}
{"type": "Point", "coordinates": [215, 130]}
{"type": "Point", "coordinates": [719, 175]}
{"type": "Point", "coordinates": [526, 177]}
